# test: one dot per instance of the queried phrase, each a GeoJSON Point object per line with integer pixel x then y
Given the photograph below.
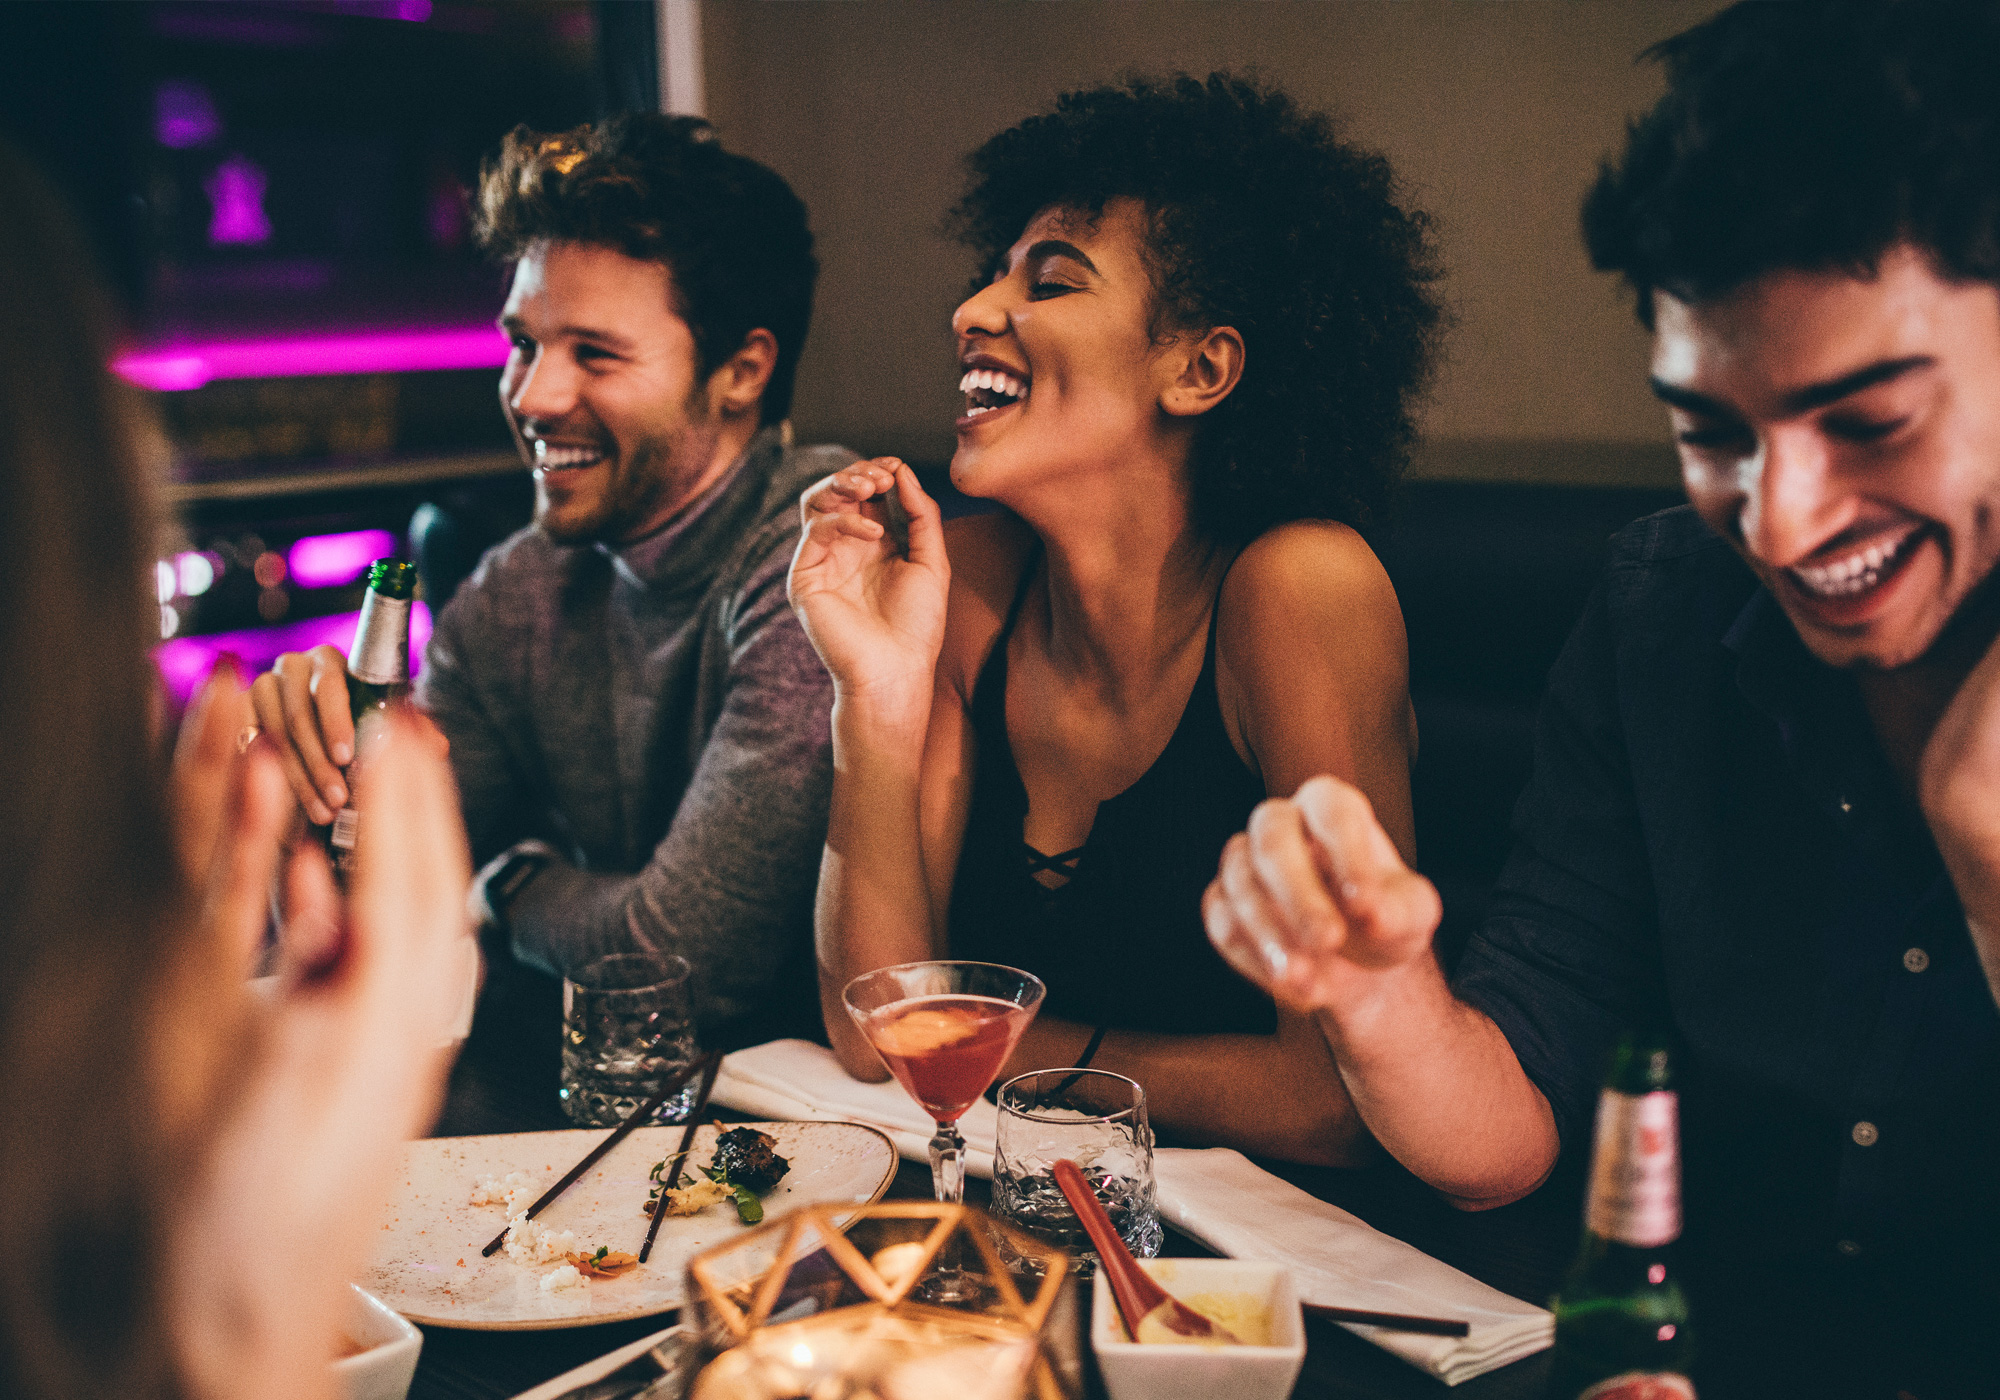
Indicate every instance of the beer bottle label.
{"type": "Point", "coordinates": [381, 651]}
{"type": "Point", "coordinates": [1635, 1172]}
{"type": "Point", "coordinates": [346, 826]}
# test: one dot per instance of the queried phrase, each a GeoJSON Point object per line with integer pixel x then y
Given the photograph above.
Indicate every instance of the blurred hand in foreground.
{"type": "Point", "coordinates": [345, 1059]}
{"type": "Point", "coordinates": [1313, 903]}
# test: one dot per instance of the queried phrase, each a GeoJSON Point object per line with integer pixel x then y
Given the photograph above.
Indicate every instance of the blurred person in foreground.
{"type": "Point", "coordinates": [1766, 793]}
{"type": "Point", "coordinates": [637, 724]}
{"type": "Point", "coordinates": [1188, 363]}
{"type": "Point", "coordinates": [190, 1173]}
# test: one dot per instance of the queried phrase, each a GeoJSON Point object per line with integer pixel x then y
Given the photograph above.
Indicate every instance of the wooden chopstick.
{"type": "Point", "coordinates": [673, 1177]}
{"type": "Point", "coordinates": [618, 1134]}
{"type": "Point", "coordinates": [1397, 1322]}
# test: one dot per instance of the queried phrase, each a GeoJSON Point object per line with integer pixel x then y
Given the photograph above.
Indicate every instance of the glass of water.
{"type": "Point", "coordinates": [1096, 1119]}
{"type": "Point", "coordinates": [628, 1023]}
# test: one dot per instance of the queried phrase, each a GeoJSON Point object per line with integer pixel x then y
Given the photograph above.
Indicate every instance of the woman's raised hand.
{"type": "Point", "coordinates": [346, 1057]}
{"type": "Point", "coordinates": [1313, 902]}
{"type": "Point", "coordinates": [872, 604]}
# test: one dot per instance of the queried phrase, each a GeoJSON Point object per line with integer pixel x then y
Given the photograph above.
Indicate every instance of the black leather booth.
{"type": "Point", "coordinates": [1491, 579]}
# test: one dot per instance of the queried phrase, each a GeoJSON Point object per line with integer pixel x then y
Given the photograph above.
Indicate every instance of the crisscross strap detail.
{"type": "Point", "coordinates": [1062, 864]}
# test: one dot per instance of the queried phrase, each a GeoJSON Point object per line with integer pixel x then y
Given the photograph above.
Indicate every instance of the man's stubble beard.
{"type": "Point", "coordinates": [633, 495]}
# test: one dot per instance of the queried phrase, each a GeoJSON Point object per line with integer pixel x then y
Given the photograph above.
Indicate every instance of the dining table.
{"type": "Point", "coordinates": [505, 1081]}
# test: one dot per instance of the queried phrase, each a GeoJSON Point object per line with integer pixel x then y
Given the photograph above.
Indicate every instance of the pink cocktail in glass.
{"type": "Point", "coordinates": [944, 1029]}
{"type": "Point", "coordinates": [946, 1049]}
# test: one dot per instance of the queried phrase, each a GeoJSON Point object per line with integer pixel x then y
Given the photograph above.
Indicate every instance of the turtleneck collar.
{"type": "Point", "coordinates": [677, 553]}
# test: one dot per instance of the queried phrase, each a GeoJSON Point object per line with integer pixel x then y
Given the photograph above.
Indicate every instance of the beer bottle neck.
{"type": "Point", "coordinates": [381, 651]}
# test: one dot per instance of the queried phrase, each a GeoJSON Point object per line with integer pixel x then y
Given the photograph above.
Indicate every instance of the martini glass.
{"type": "Point", "coordinates": [944, 1029]}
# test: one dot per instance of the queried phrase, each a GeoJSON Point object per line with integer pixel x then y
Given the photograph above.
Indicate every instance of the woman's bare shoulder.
{"type": "Point", "coordinates": [1312, 665]}
{"type": "Point", "coordinates": [987, 553]}
{"type": "Point", "coordinates": [1309, 573]}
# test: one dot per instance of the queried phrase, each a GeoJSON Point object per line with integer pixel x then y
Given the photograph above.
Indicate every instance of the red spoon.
{"type": "Point", "coordinates": [1137, 1295]}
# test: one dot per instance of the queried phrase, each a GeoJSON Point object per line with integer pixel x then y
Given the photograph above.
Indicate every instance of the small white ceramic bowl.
{"type": "Point", "coordinates": [385, 1369]}
{"type": "Point", "coordinates": [1133, 1371]}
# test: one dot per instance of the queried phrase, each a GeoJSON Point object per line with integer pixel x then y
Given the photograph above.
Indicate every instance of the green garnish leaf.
{"type": "Point", "coordinates": [749, 1209]}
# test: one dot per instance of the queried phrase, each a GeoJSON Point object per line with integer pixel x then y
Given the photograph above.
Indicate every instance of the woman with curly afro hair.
{"type": "Point", "coordinates": [1189, 364]}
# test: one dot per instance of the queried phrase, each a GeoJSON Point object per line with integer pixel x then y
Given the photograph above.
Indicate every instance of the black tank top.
{"type": "Point", "coordinates": [1121, 944]}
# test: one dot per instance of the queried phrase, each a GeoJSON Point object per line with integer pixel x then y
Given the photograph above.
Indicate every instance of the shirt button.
{"type": "Point", "coordinates": [1847, 1247]}
{"type": "Point", "coordinates": [1916, 960]}
{"type": "Point", "coordinates": [1865, 1134]}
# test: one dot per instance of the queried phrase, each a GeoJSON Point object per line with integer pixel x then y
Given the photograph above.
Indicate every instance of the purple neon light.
{"type": "Point", "coordinates": [328, 561]}
{"type": "Point", "coordinates": [409, 11]}
{"type": "Point", "coordinates": [184, 116]}
{"type": "Point", "coordinates": [185, 662]}
{"type": "Point", "coordinates": [190, 365]}
{"type": "Point", "coordinates": [236, 189]}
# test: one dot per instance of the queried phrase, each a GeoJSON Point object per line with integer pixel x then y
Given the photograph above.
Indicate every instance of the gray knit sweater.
{"type": "Point", "coordinates": [656, 713]}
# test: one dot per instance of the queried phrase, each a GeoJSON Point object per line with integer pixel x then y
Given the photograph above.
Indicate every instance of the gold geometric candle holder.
{"type": "Point", "coordinates": [892, 1301]}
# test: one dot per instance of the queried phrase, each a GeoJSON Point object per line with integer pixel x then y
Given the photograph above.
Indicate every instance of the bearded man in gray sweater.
{"type": "Point", "coordinates": [638, 726]}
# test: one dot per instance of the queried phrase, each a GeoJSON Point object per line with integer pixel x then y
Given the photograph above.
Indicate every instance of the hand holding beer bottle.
{"type": "Point", "coordinates": [321, 708]}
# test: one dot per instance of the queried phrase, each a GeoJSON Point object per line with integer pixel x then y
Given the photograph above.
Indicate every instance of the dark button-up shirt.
{"type": "Point", "coordinates": [1712, 829]}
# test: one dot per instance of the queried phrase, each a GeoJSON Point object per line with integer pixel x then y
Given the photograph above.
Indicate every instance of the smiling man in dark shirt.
{"type": "Point", "coordinates": [1766, 796]}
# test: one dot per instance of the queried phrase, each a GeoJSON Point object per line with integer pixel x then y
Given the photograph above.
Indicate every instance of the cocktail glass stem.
{"type": "Point", "coordinates": [947, 1283]}
{"type": "Point", "coordinates": [948, 1164]}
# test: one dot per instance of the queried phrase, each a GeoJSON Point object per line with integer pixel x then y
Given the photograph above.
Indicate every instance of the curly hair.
{"type": "Point", "coordinates": [1259, 217]}
{"type": "Point", "coordinates": [1809, 136]}
{"type": "Point", "coordinates": [661, 188]}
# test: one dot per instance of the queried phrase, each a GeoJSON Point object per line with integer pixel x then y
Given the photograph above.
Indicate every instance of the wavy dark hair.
{"type": "Point", "coordinates": [1259, 218]}
{"type": "Point", "coordinates": [95, 917]}
{"type": "Point", "coordinates": [662, 188]}
{"type": "Point", "coordinates": [1809, 136]}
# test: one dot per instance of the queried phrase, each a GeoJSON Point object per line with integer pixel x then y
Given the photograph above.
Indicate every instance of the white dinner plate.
{"type": "Point", "coordinates": [427, 1263]}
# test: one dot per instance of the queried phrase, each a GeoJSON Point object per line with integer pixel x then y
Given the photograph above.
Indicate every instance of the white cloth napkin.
{"type": "Point", "coordinates": [1338, 1260]}
{"type": "Point", "coordinates": [1214, 1195]}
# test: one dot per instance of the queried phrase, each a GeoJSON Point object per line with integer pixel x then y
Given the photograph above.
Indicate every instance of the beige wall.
{"type": "Point", "coordinates": [1495, 113]}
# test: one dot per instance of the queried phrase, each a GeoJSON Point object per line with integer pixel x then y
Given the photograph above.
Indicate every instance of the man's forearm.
{"type": "Point", "coordinates": [736, 941]}
{"type": "Point", "coordinates": [564, 917]}
{"type": "Point", "coordinates": [1439, 1086]}
{"type": "Point", "coordinates": [1269, 1095]}
{"type": "Point", "coordinates": [729, 888]}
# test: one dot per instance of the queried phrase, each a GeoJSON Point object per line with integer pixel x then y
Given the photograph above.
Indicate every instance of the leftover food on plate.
{"type": "Point", "coordinates": [531, 1244]}
{"type": "Point", "coordinates": [427, 1262]}
{"type": "Point", "coordinates": [745, 1166]}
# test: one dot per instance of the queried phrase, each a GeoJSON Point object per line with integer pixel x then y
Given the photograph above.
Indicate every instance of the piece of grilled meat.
{"type": "Point", "coordinates": [747, 1157]}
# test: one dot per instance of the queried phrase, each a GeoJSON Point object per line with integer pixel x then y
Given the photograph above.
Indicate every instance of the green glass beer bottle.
{"type": "Point", "coordinates": [378, 671]}
{"type": "Point", "coordinates": [1622, 1320]}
